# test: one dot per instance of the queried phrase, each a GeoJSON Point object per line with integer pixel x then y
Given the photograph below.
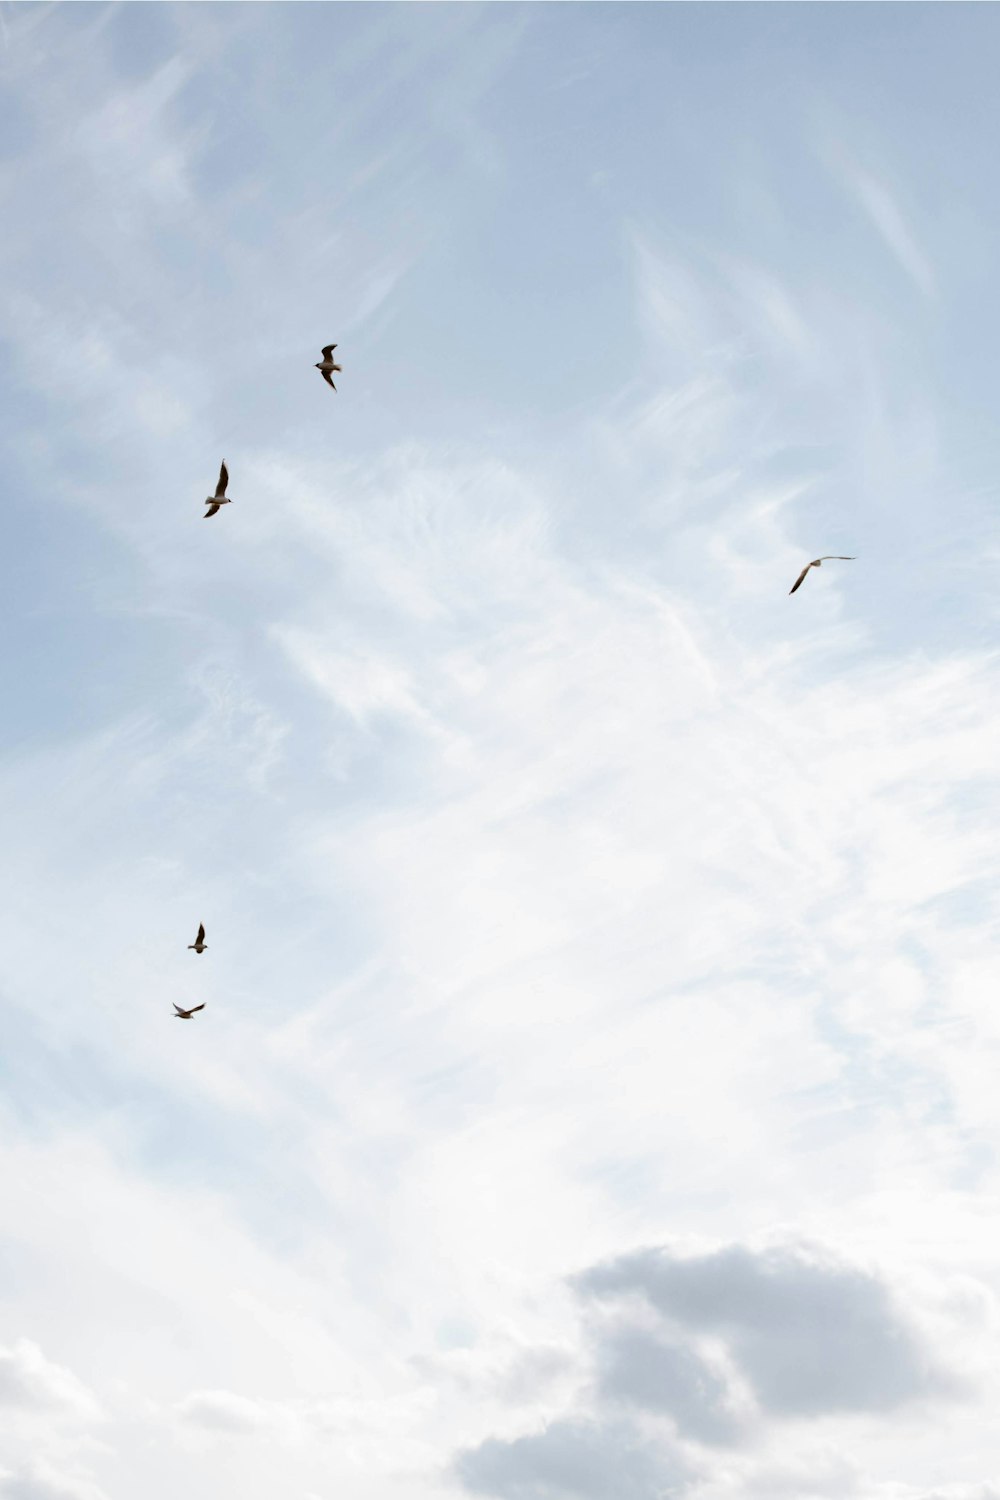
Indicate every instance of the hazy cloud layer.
{"type": "Point", "coordinates": [569, 887]}
{"type": "Point", "coordinates": [39, 1482]}
{"type": "Point", "coordinates": [28, 1380]}
{"type": "Point", "coordinates": [222, 1411]}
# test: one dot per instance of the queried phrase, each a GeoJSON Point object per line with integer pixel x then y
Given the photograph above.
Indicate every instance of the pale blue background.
{"type": "Point", "coordinates": [569, 888]}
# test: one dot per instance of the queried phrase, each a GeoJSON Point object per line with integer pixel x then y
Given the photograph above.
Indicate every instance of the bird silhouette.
{"type": "Point", "coordinates": [818, 562]}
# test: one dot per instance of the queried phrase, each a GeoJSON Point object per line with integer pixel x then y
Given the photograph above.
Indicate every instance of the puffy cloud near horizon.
{"type": "Point", "coordinates": [743, 1341]}
{"type": "Point", "coordinates": [809, 1334]}
{"type": "Point", "coordinates": [569, 1459]}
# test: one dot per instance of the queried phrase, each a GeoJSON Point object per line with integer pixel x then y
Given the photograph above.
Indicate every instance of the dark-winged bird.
{"type": "Point", "coordinates": [185, 1015]}
{"type": "Point", "coordinates": [817, 562]}
{"type": "Point", "coordinates": [220, 497]}
{"type": "Point", "coordinates": [199, 945]}
{"type": "Point", "coordinates": [328, 366]}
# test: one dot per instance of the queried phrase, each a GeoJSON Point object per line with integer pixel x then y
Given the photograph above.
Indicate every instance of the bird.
{"type": "Point", "coordinates": [327, 368]}
{"type": "Point", "coordinates": [818, 562]}
{"type": "Point", "coordinates": [199, 945]}
{"type": "Point", "coordinates": [185, 1015]}
{"type": "Point", "coordinates": [220, 497]}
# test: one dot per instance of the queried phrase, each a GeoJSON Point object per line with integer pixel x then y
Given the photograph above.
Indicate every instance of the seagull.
{"type": "Point", "coordinates": [220, 497]}
{"type": "Point", "coordinates": [199, 945]}
{"type": "Point", "coordinates": [327, 368]}
{"type": "Point", "coordinates": [185, 1015]}
{"type": "Point", "coordinates": [818, 562]}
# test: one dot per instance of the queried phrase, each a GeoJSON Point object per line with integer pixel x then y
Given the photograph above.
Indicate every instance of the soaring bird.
{"type": "Point", "coordinates": [328, 366]}
{"type": "Point", "coordinates": [185, 1015]}
{"type": "Point", "coordinates": [199, 945]}
{"type": "Point", "coordinates": [220, 497]}
{"type": "Point", "coordinates": [818, 562]}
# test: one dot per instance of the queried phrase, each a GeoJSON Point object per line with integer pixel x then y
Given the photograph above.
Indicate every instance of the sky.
{"type": "Point", "coordinates": [596, 1092]}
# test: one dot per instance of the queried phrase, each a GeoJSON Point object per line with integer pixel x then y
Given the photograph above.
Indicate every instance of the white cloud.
{"type": "Point", "coordinates": [887, 217]}
{"type": "Point", "coordinates": [572, 1461]}
{"type": "Point", "coordinates": [39, 1482]}
{"type": "Point", "coordinates": [568, 888]}
{"type": "Point", "coordinates": [223, 1411]}
{"type": "Point", "coordinates": [736, 1352]}
{"type": "Point", "coordinates": [30, 1381]}
{"type": "Point", "coordinates": [126, 140]}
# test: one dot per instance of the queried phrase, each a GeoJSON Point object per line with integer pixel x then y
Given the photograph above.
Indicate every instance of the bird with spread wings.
{"type": "Point", "coordinates": [220, 497]}
{"type": "Point", "coordinates": [328, 366]}
{"type": "Point", "coordinates": [818, 562]}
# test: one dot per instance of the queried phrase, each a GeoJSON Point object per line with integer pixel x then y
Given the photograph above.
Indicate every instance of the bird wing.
{"type": "Point", "coordinates": [328, 378]}
{"type": "Point", "coordinates": [220, 488]}
{"type": "Point", "coordinates": [178, 1009]}
{"type": "Point", "coordinates": [801, 576]}
{"type": "Point", "coordinates": [201, 933]}
{"type": "Point", "coordinates": [212, 510]}
{"type": "Point", "coordinates": [328, 350]}
{"type": "Point", "coordinates": [836, 557]}
{"type": "Point", "coordinates": [196, 1007]}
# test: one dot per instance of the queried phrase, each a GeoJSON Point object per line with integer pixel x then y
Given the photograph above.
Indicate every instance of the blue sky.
{"type": "Point", "coordinates": [595, 1096]}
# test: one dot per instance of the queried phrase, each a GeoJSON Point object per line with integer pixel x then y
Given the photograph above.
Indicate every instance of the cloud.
{"type": "Point", "coordinates": [295, 1420]}
{"type": "Point", "coordinates": [561, 885]}
{"type": "Point", "coordinates": [224, 1411]}
{"type": "Point", "coordinates": [128, 141]}
{"type": "Point", "coordinates": [647, 1371]}
{"type": "Point", "coordinates": [814, 1475]}
{"type": "Point", "coordinates": [513, 1374]}
{"type": "Point", "coordinates": [30, 1381]}
{"type": "Point", "coordinates": [886, 215]}
{"type": "Point", "coordinates": [716, 1349]}
{"type": "Point", "coordinates": [534, 1370]}
{"type": "Point", "coordinates": [40, 1482]}
{"type": "Point", "coordinates": [812, 1335]}
{"type": "Point", "coordinates": [572, 1460]}
{"type": "Point", "coordinates": [957, 1492]}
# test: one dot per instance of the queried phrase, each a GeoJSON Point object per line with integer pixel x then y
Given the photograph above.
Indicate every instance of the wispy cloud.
{"type": "Point", "coordinates": [887, 217]}
{"type": "Point", "coordinates": [569, 889]}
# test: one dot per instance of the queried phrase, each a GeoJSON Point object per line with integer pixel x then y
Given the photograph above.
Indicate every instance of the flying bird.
{"type": "Point", "coordinates": [199, 945]}
{"type": "Point", "coordinates": [328, 366]}
{"type": "Point", "coordinates": [185, 1015]}
{"type": "Point", "coordinates": [220, 497]}
{"type": "Point", "coordinates": [818, 562]}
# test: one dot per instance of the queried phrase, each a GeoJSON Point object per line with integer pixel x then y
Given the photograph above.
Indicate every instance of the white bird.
{"type": "Point", "coordinates": [818, 562]}
{"type": "Point", "coordinates": [199, 945]}
{"type": "Point", "coordinates": [185, 1015]}
{"type": "Point", "coordinates": [220, 497]}
{"type": "Point", "coordinates": [328, 366]}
